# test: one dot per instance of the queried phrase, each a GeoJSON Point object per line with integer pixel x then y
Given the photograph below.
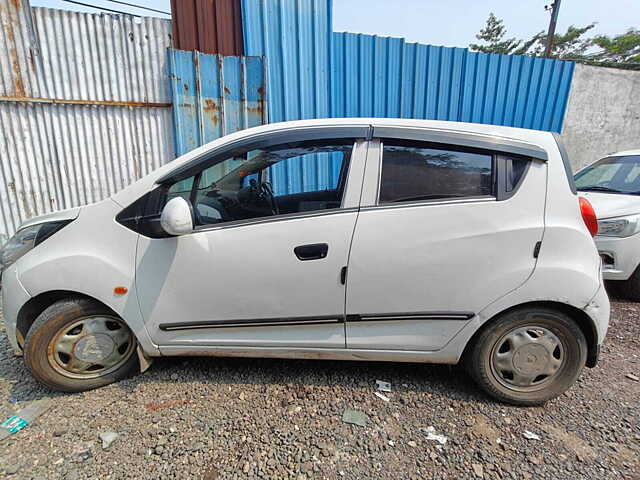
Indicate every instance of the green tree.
{"type": "Point", "coordinates": [570, 45]}
{"type": "Point", "coordinates": [623, 48]}
{"type": "Point", "coordinates": [493, 35]}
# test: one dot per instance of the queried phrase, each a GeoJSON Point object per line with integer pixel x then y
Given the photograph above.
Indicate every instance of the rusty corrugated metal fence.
{"type": "Point", "coordinates": [85, 107]}
{"type": "Point", "coordinates": [209, 26]}
{"type": "Point", "coordinates": [214, 96]}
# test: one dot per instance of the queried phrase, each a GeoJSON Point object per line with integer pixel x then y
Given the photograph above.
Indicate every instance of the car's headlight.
{"type": "Point", "coordinates": [27, 238]}
{"type": "Point", "coordinates": [619, 226]}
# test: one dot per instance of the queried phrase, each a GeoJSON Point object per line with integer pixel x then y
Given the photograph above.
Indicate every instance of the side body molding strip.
{"type": "Point", "coordinates": [274, 322]}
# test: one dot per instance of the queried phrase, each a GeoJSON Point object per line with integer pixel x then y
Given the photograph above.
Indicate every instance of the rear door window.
{"type": "Point", "coordinates": [414, 171]}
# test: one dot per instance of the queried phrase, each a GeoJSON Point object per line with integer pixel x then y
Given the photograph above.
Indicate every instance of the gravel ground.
{"type": "Point", "coordinates": [242, 418]}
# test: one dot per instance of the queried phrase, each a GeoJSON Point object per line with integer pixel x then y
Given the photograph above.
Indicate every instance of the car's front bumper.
{"type": "Point", "coordinates": [620, 256]}
{"type": "Point", "coordinates": [14, 296]}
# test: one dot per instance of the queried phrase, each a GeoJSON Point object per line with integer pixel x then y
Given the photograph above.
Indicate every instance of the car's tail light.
{"type": "Point", "coordinates": [589, 216]}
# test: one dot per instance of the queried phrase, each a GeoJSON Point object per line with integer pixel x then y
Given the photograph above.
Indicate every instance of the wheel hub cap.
{"type": "Point", "coordinates": [530, 359]}
{"type": "Point", "coordinates": [94, 348]}
{"type": "Point", "coordinates": [91, 347]}
{"type": "Point", "coordinates": [527, 357]}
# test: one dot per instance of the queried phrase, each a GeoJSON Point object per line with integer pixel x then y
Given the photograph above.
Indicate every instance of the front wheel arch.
{"type": "Point", "coordinates": [582, 320]}
{"type": "Point", "coordinates": [32, 309]}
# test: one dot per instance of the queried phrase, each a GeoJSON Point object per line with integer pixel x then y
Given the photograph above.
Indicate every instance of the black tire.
{"type": "Point", "coordinates": [628, 289]}
{"type": "Point", "coordinates": [45, 328]}
{"type": "Point", "coordinates": [479, 360]}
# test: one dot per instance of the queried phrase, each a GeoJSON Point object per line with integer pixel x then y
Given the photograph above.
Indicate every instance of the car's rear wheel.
{"type": "Point", "coordinates": [528, 356]}
{"type": "Point", "coordinates": [78, 344]}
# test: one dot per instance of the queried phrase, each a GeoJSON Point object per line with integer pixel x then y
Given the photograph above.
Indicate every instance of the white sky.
{"type": "Point", "coordinates": [452, 23]}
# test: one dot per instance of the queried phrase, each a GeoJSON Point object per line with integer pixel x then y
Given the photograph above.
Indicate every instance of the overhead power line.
{"type": "Point", "coordinates": [97, 7]}
{"type": "Point", "coordinates": [139, 6]}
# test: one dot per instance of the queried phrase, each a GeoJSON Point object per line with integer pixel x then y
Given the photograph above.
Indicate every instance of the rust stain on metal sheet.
{"type": "Point", "coordinates": [227, 91]}
{"type": "Point", "coordinates": [13, 57]}
{"type": "Point", "coordinates": [211, 109]}
{"type": "Point", "coordinates": [257, 109]}
{"type": "Point", "coordinates": [17, 4]}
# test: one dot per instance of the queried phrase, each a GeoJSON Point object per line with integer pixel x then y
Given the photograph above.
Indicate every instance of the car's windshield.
{"type": "Point", "coordinates": [620, 174]}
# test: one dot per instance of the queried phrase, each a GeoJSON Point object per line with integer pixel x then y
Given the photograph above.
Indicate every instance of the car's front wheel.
{"type": "Point", "coordinates": [528, 356]}
{"type": "Point", "coordinates": [78, 344]}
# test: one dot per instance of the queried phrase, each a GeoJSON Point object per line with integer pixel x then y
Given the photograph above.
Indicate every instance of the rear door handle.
{"type": "Point", "coordinates": [313, 251]}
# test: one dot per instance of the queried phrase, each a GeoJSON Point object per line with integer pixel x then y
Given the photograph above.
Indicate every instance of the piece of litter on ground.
{"type": "Point", "coordinates": [24, 417]}
{"type": "Point", "coordinates": [107, 439]}
{"type": "Point", "coordinates": [631, 376]}
{"type": "Point", "coordinates": [355, 417]}
{"type": "Point", "coordinates": [382, 396]}
{"type": "Point", "coordinates": [530, 435]}
{"type": "Point", "coordinates": [383, 386]}
{"type": "Point", "coordinates": [430, 433]}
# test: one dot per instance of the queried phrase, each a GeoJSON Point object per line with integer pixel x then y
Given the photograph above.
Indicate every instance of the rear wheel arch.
{"type": "Point", "coordinates": [582, 320]}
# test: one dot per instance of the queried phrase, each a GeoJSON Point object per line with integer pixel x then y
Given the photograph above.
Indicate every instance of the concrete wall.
{"type": "Point", "coordinates": [603, 114]}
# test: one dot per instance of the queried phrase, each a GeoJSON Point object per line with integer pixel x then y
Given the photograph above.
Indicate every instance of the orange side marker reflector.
{"type": "Point", "coordinates": [120, 290]}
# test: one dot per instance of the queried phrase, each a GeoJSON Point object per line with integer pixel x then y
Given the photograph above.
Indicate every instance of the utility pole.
{"type": "Point", "coordinates": [554, 7]}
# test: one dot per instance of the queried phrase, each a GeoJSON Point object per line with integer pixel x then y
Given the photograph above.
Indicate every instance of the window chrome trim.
{"type": "Point", "coordinates": [427, 203]}
{"type": "Point", "coordinates": [274, 218]}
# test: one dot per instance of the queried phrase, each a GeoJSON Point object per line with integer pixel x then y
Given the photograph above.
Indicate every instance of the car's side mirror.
{"type": "Point", "coordinates": [177, 217]}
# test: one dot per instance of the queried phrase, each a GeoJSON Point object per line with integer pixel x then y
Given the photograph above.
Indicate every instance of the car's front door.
{"type": "Point", "coordinates": [444, 230]}
{"type": "Point", "coordinates": [264, 266]}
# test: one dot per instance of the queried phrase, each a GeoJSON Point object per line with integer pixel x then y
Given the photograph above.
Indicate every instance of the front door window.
{"type": "Point", "coordinates": [242, 187]}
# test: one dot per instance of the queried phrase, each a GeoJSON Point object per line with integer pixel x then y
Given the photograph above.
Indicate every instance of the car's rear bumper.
{"type": "Point", "coordinates": [620, 256]}
{"type": "Point", "coordinates": [14, 296]}
{"type": "Point", "coordinates": [599, 310]}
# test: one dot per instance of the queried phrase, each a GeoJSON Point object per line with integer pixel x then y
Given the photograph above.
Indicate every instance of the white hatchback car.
{"type": "Point", "coordinates": [398, 240]}
{"type": "Point", "coordinates": [612, 185]}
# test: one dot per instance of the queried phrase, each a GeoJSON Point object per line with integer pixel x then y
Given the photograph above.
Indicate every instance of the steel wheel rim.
{"type": "Point", "coordinates": [527, 358]}
{"type": "Point", "coordinates": [91, 347]}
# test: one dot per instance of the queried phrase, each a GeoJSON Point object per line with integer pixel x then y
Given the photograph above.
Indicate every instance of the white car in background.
{"type": "Point", "coordinates": [416, 241]}
{"type": "Point", "coordinates": [612, 186]}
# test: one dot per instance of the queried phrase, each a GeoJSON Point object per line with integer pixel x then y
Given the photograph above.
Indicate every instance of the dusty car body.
{"type": "Point", "coordinates": [416, 241]}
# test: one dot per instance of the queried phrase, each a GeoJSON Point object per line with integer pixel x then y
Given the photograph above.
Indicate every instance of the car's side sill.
{"type": "Point", "coordinates": [434, 356]}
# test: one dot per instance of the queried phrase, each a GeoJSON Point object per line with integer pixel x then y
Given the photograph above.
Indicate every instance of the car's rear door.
{"type": "Point", "coordinates": [448, 224]}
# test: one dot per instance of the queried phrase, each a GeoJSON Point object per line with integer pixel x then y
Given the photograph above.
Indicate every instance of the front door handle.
{"type": "Point", "coordinates": [313, 251]}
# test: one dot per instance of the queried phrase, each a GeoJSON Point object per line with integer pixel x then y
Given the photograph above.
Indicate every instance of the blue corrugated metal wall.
{"type": "Point", "coordinates": [295, 38]}
{"type": "Point", "coordinates": [386, 77]}
{"type": "Point", "coordinates": [315, 73]}
{"type": "Point", "coordinates": [214, 95]}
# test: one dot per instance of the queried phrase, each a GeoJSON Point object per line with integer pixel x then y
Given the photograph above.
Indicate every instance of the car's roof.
{"type": "Point", "coordinates": [624, 153]}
